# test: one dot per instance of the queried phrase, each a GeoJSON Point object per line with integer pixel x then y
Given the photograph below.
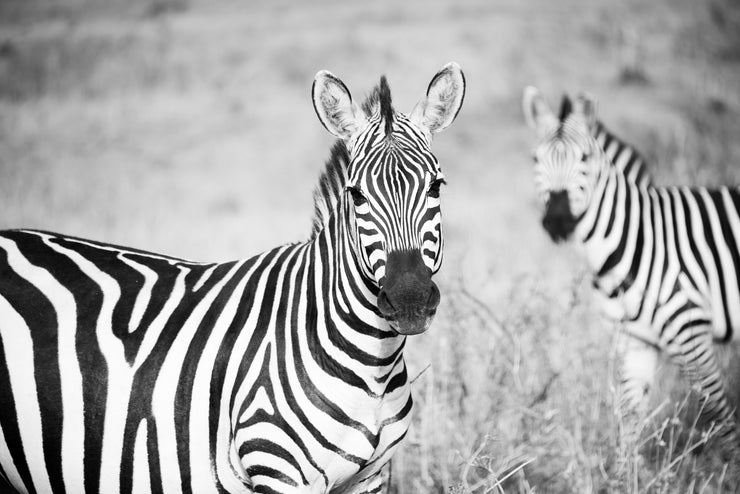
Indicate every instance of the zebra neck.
{"type": "Point", "coordinates": [621, 156]}
{"type": "Point", "coordinates": [612, 231]}
{"type": "Point", "coordinates": [348, 314]}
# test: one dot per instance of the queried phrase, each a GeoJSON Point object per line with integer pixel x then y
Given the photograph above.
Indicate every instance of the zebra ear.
{"type": "Point", "coordinates": [586, 106]}
{"type": "Point", "coordinates": [443, 101]}
{"type": "Point", "coordinates": [537, 112]}
{"type": "Point", "coordinates": [334, 106]}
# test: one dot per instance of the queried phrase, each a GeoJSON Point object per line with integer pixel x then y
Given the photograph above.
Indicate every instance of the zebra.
{"type": "Point", "coordinates": [665, 260]}
{"type": "Point", "coordinates": [128, 371]}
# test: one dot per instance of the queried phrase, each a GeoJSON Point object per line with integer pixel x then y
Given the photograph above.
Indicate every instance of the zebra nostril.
{"type": "Point", "coordinates": [385, 305]}
{"type": "Point", "coordinates": [434, 298]}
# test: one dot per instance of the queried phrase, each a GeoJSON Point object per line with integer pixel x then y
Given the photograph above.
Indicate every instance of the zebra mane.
{"type": "Point", "coordinates": [334, 177]}
{"type": "Point", "coordinates": [634, 167]}
{"type": "Point", "coordinates": [566, 107]}
{"type": "Point", "coordinates": [380, 96]}
{"type": "Point", "coordinates": [330, 186]}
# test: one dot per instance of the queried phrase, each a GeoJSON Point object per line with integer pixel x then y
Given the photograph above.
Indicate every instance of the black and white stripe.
{"type": "Point", "coordinates": [666, 260]}
{"type": "Point", "coordinates": [127, 371]}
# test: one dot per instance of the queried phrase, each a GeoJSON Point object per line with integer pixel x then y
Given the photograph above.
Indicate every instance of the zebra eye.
{"type": "Point", "coordinates": [357, 198]}
{"type": "Point", "coordinates": [534, 158]}
{"type": "Point", "coordinates": [434, 187]}
{"type": "Point", "coordinates": [585, 157]}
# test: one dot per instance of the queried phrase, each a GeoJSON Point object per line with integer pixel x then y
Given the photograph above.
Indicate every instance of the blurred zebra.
{"type": "Point", "coordinates": [665, 260]}
{"type": "Point", "coordinates": [127, 371]}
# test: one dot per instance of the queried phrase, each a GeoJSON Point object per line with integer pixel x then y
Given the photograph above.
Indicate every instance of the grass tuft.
{"type": "Point", "coordinates": [521, 400]}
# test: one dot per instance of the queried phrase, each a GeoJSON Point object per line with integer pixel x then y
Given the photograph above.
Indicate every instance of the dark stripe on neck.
{"type": "Point", "coordinates": [689, 231]}
{"type": "Point", "coordinates": [732, 245]}
{"type": "Point", "coordinates": [617, 254]}
{"type": "Point", "coordinates": [600, 209]}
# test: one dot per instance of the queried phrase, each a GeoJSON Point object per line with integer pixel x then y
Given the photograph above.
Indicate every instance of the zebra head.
{"type": "Point", "coordinates": [392, 189]}
{"type": "Point", "coordinates": [566, 159]}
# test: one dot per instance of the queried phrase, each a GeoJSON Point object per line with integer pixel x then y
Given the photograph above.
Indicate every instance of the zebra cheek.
{"type": "Point", "coordinates": [432, 250]}
{"type": "Point", "coordinates": [433, 258]}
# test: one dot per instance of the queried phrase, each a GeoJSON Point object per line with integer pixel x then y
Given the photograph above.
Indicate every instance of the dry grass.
{"type": "Point", "coordinates": [508, 414]}
{"type": "Point", "coordinates": [187, 128]}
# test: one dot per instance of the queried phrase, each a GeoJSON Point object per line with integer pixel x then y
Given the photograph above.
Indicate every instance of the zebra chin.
{"type": "Point", "coordinates": [412, 311]}
{"type": "Point", "coordinates": [409, 326]}
{"type": "Point", "coordinates": [560, 233]}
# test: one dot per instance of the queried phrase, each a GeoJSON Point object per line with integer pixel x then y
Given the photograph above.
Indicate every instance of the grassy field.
{"type": "Point", "coordinates": [186, 127]}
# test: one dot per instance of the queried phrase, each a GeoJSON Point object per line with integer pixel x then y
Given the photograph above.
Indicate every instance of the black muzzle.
{"type": "Point", "coordinates": [408, 298]}
{"type": "Point", "coordinates": [559, 220]}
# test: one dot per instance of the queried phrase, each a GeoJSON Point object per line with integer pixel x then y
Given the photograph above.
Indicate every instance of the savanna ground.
{"type": "Point", "coordinates": [186, 127]}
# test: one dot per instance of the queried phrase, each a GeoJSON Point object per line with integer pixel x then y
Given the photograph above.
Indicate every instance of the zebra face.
{"type": "Point", "coordinates": [392, 193]}
{"type": "Point", "coordinates": [398, 231]}
{"type": "Point", "coordinates": [565, 171]}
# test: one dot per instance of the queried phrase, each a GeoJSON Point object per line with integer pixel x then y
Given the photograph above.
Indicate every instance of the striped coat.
{"type": "Point", "coordinates": [127, 371]}
{"type": "Point", "coordinates": [665, 260]}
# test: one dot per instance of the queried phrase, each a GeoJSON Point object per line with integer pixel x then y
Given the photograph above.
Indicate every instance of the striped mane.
{"type": "Point", "coordinates": [330, 187]}
{"type": "Point", "coordinates": [333, 179]}
{"type": "Point", "coordinates": [634, 168]}
{"type": "Point", "coordinates": [380, 97]}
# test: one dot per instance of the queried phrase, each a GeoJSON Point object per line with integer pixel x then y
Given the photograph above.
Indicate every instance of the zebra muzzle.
{"type": "Point", "coordinates": [409, 298]}
{"type": "Point", "coordinates": [559, 221]}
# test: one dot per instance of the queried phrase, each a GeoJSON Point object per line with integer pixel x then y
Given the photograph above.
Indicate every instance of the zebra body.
{"type": "Point", "coordinates": [665, 260]}
{"type": "Point", "coordinates": [685, 243]}
{"type": "Point", "coordinates": [127, 371]}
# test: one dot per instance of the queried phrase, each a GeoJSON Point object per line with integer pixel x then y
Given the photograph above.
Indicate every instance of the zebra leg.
{"type": "Point", "coordinates": [638, 364]}
{"type": "Point", "coordinates": [693, 350]}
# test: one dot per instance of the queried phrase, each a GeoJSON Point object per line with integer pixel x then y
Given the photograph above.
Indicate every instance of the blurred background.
{"type": "Point", "coordinates": [186, 127]}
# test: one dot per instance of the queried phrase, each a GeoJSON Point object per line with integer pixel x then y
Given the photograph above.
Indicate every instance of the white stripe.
{"type": "Point", "coordinates": [111, 248]}
{"type": "Point", "coordinates": [154, 330]}
{"type": "Point", "coordinates": [73, 427]}
{"type": "Point", "coordinates": [141, 462]}
{"type": "Point", "coordinates": [200, 440]}
{"type": "Point", "coordinates": [638, 294]}
{"type": "Point", "coordinates": [282, 466]}
{"type": "Point", "coordinates": [277, 436]}
{"type": "Point", "coordinates": [260, 402]}
{"type": "Point", "coordinates": [280, 401]}
{"type": "Point", "coordinates": [334, 432]}
{"type": "Point", "coordinates": [726, 269]}
{"type": "Point", "coordinates": [165, 388]}
{"type": "Point", "coordinates": [69, 369]}
{"type": "Point", "coordinates": [670, 279]}
{"type": "Point", "coordinates": [733, 296]}
{"type": "Point", "coordinates": [6, 461]}
{"type": "Point", "coordinates": [204, 277]}
{"type": "Point", "coordinates": [144, 295]}
{"type": "Point", "coordinates": [698, 233]}
{"type": "Point", "coordinates": [19, 359]}
{"type": "Point", "coordinates": [682, 242]}
{"type": "Point", "coordinates": [119, 373]}
{"type": "Point", "coordinates": [228, 465]}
